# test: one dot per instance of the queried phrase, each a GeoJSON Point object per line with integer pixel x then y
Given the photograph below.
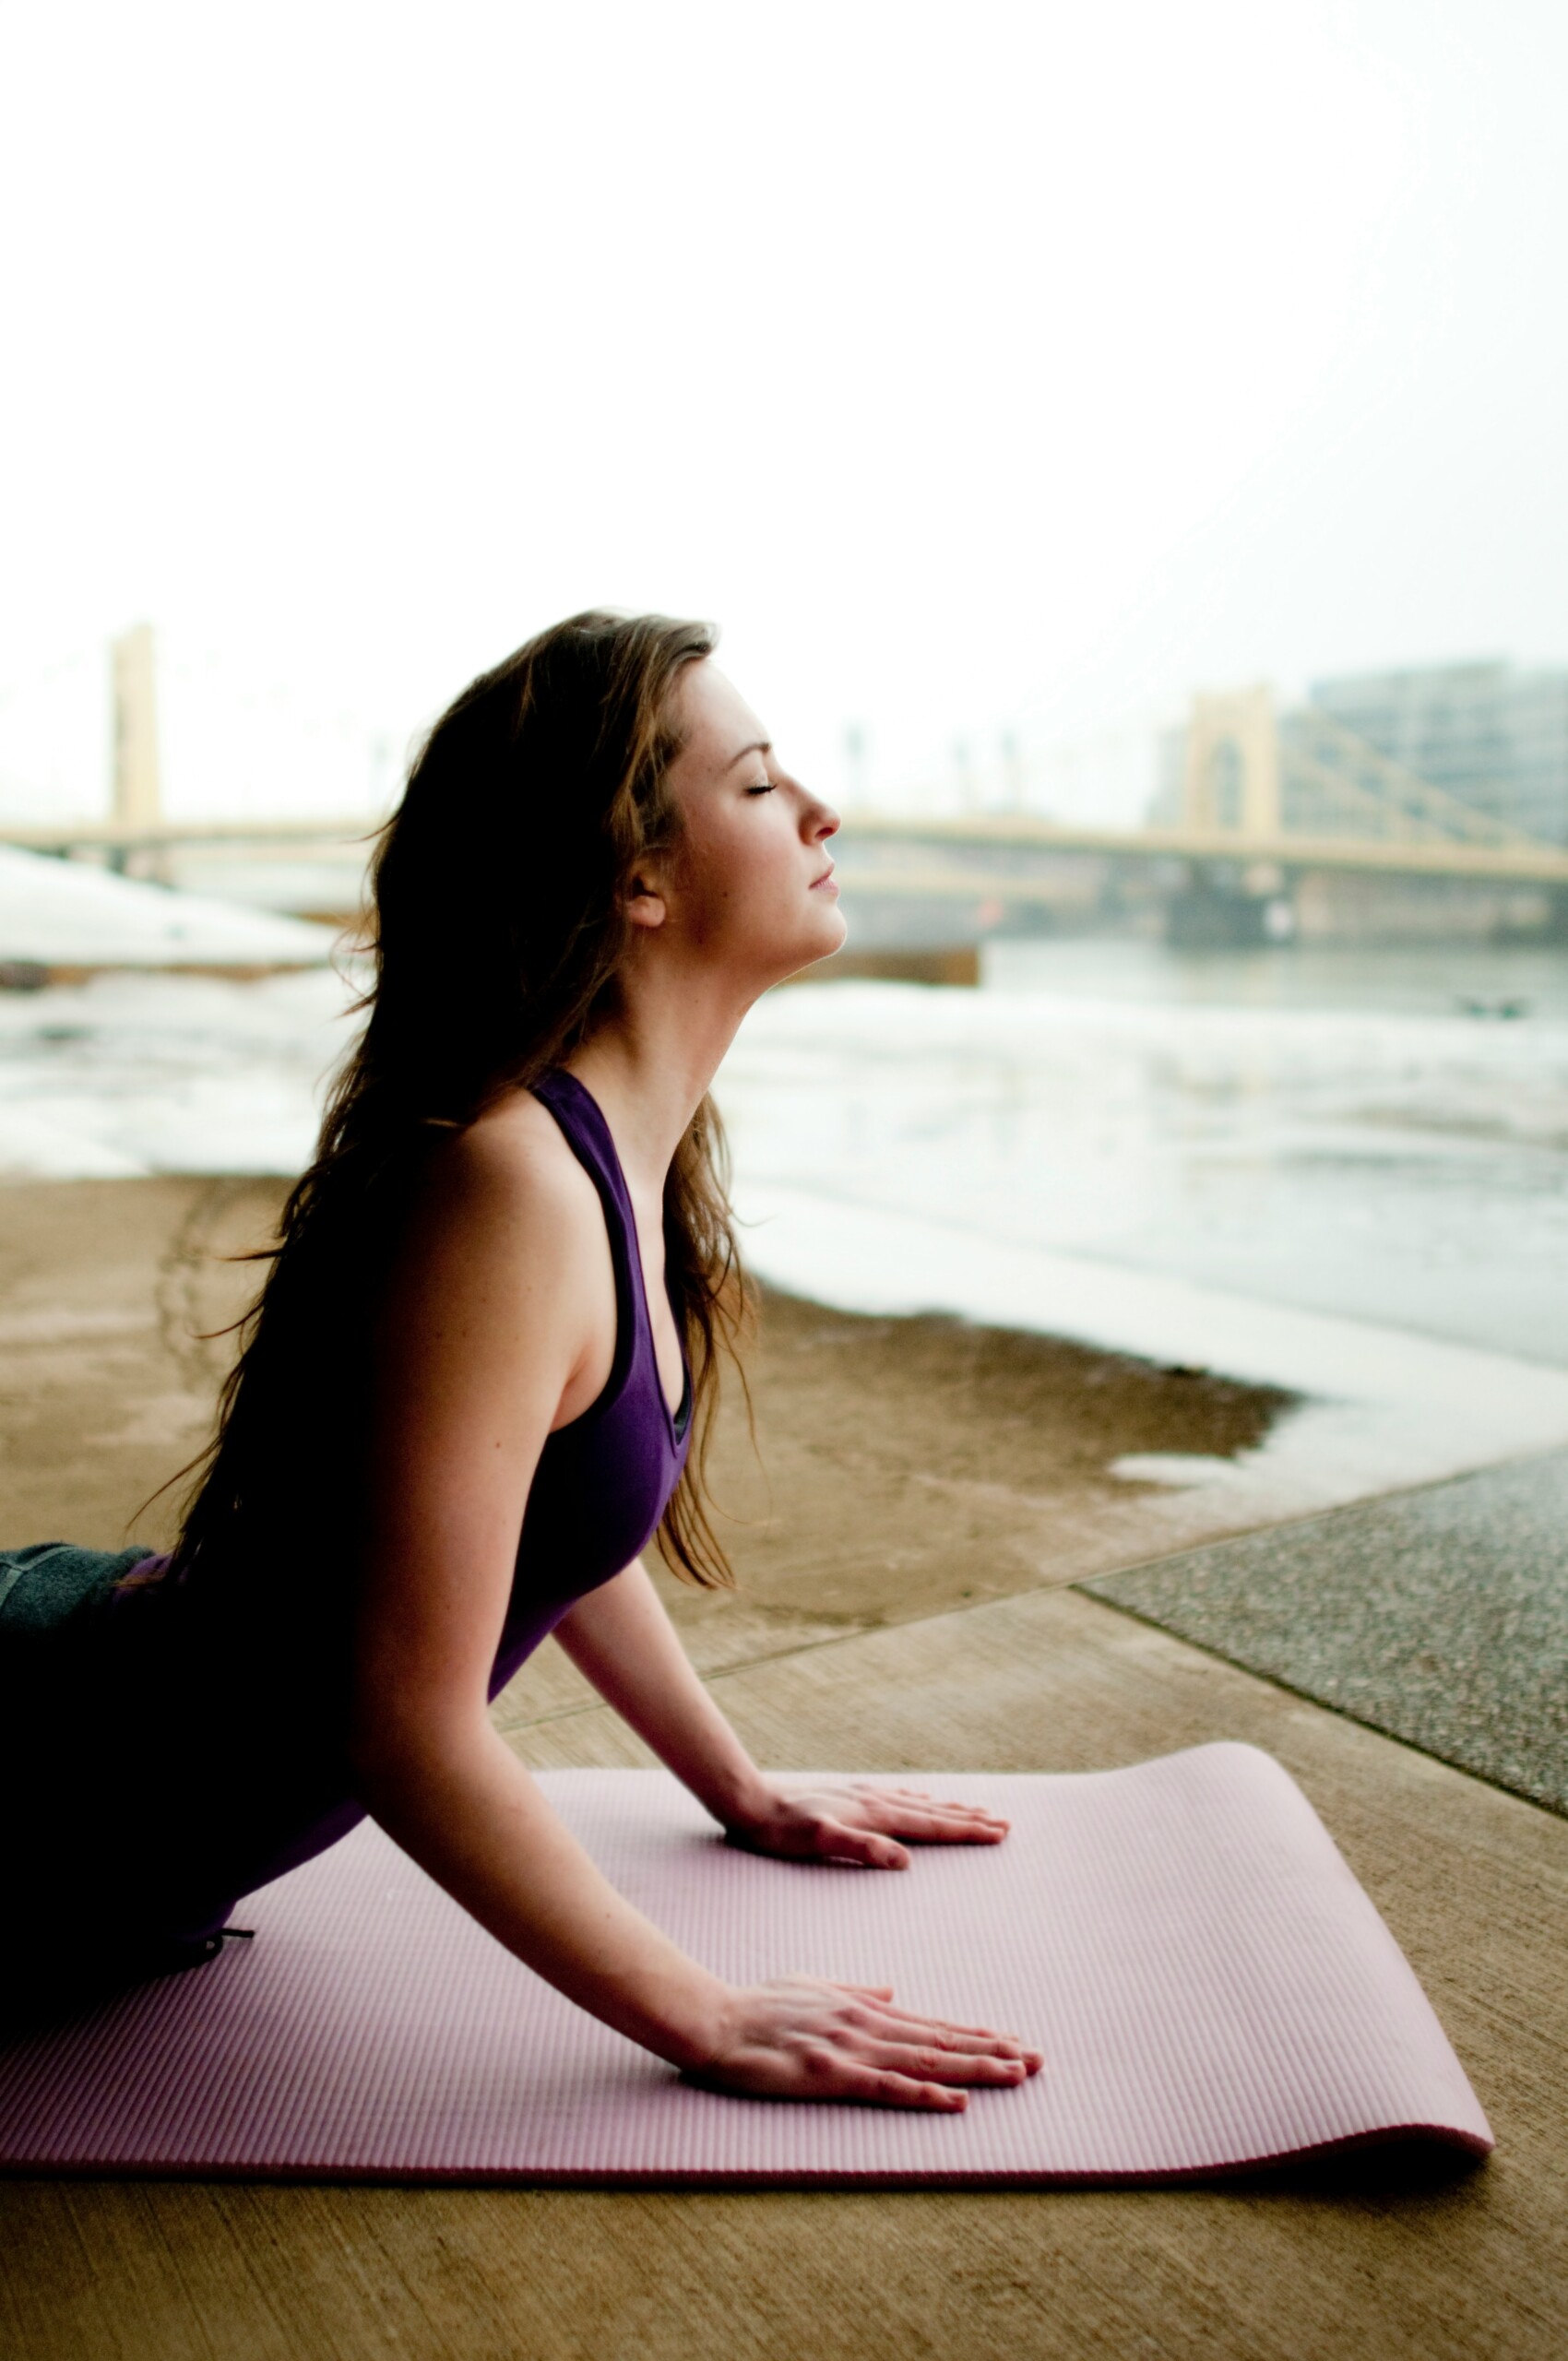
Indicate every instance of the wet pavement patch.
{"type": "Point", "coordinates": [1438, 1615]}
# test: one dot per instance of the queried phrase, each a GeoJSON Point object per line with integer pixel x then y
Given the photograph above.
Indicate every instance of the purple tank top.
{"type": "Point", "coordinates": [602, 1483]}
{"type": "Point", "coordinates": [285, 1792]}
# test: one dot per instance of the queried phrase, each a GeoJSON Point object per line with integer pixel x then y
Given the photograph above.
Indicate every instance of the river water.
{"type": "Point", "coordinates": [1342, 1173]}
{"type": "Point", "coordinates": [1359, 1133]}
{"type": "Point", "coordinates": [1346, 1175]}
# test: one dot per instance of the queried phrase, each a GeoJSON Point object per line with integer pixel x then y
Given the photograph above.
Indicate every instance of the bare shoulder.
{"type": "Point", "coordinates": [504, 1215]}
{"type": "Point", "coordinates": [512, 1170]}
{"type": "Point", "coordinates": [490, 1312]}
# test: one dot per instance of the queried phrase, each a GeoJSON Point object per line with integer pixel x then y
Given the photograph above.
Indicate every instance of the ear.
{"type": "Point", "coordinates": [644, 904]}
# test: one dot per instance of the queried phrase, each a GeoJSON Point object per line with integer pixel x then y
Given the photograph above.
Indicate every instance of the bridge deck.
{"type": "Point", "coordinates": [1017, 835]}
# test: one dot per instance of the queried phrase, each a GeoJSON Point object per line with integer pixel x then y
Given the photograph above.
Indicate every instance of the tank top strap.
{"type": "Point", "coordinates": [581, 1120]}
{"type": "Point", "coordinates": [581, 1117]}
{"type": "Point", "coordinates": [587, 1136]}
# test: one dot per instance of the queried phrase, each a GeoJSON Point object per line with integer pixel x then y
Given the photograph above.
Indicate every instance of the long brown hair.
{"type": "Point", "coordinates": [498, 927]}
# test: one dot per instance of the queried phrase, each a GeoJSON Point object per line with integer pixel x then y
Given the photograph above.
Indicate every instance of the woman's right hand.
{"type": "Point", "coordinates": [800, 2037]}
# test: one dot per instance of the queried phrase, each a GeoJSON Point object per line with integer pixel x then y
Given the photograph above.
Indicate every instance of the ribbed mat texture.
{"type": "Point", "coordinates": [1209, 1983]}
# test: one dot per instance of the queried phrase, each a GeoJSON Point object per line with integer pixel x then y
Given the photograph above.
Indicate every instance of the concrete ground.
{"type": "Point", "coordinates": [1438, 1615]}
{"type": "Point", "coordinates": [1385, 2260]}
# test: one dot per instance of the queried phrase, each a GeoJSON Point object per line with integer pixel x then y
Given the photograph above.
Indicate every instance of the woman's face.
{"type": "Point", "coordinates": [750, 882]}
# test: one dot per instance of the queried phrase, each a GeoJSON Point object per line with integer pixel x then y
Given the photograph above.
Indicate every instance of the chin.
{"type": "Point", "coordinates": [830, 936]}
{"type": "Point", "coordinates": [827, 940]}
{"type": "Point", "coordinates": [778, 960]}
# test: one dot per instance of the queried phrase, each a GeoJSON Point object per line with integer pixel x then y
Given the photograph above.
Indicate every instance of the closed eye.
{"type": "Point", "coordinates": [763, 787]}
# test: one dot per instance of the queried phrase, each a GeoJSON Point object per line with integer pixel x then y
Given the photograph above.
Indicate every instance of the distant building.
{"type": "Point", "coordinates": [1494, 737]}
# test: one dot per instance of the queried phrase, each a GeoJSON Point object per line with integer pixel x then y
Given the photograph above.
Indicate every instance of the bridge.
{"type": "Point", "coordinates": [1266, 800]}
{"type": "Point", "coordinates": [941, 855]}
{"type": "Point", "coordinates": [1295, 790]}
{"type": "Point", "coordinates": [1267, 807]}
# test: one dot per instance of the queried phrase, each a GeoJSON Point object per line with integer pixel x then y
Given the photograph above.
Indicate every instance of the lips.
{"type": "Point", "coordinates": [825, 879]}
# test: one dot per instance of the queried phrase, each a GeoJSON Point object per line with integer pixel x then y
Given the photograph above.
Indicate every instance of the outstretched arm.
{"type": "Point", "coordinates": [485, 1332]}
{"type": "Point", "coordinates": [620, 1637]}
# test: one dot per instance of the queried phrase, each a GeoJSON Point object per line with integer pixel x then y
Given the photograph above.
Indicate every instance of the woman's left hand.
{"type": "Point", "coordinates": [860, 1822]}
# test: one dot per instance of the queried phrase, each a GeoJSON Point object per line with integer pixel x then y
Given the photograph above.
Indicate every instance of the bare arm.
{"type": "Point", "coordinates": [487, 1320]}
{"type": "Point", "coordinates": [490, 1324]}
{"type": "Point", "coordinates": [620, 1637]}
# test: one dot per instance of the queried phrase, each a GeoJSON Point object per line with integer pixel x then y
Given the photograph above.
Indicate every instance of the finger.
{"type": "Point", "coordinates": [835, 1842]}
{"type": "Point", "coordinates": [912, 1815]}
{"type": "Point", "coordinates": [882, 2086]}
{"type": "Point", "coordinates": [1010, 2054]}
{"type": "Point", "coordinates": [950, 1823]}
{"type": "Point", "coordinates": [964, 1811]}
{"type": "Point", "coordinates": [883, 2025]}
{"type": "Point", "coordinates": [924, 1795]}
{"type": "Point", "coordinates": [929, 2062]}
{"type": "Point", "coordinates": [936, 1828]}
{"type": "Point", "coordinates": [951, 1811]}
{"type": "Point", "coordinates": [926, 2027]}
{"type": "Point", "coordinates": [938, 2028]}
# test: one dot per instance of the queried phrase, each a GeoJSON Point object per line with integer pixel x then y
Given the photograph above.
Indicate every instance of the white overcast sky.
{"type": "Point", "coordinates": [978, 369]}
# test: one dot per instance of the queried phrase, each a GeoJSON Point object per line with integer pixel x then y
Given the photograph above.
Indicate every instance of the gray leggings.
{"type": "Point", "coordinates": [48, 1583]}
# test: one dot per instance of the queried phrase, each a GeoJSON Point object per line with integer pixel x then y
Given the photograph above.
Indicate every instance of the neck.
{"type": "Point", "coordinates": [649, 1063]}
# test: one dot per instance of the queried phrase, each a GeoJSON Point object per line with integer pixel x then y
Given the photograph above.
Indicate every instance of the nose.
{"type": "Point", "coordinates": [821, 820]}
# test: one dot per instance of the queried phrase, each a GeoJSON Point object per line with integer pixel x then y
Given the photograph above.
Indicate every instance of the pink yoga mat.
{"type": "Point", "coordinates": [1210, 1985]}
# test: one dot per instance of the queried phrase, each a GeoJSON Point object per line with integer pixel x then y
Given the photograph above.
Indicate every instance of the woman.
{"type": "Point", "coordinates": [466, 1399]}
